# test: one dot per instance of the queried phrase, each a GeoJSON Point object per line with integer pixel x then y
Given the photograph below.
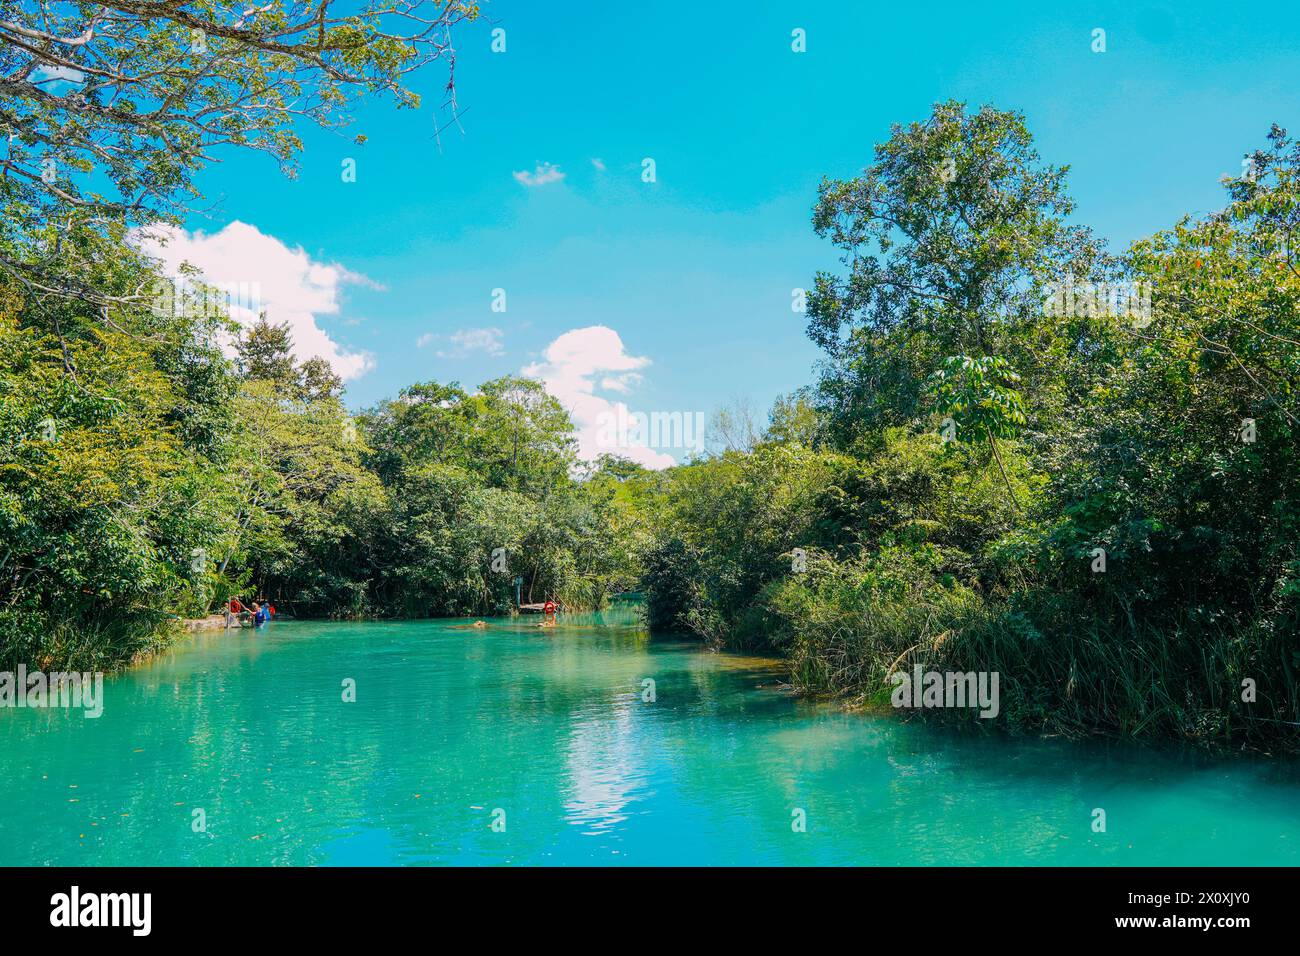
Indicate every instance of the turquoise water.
{"type": "Point", "coordinates": [549, 727]}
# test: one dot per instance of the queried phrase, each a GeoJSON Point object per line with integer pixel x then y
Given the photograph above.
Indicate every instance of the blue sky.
{"type": "Point", "coordinates": [694, 271]}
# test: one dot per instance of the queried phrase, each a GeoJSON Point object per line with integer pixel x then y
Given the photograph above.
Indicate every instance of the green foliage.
{"type": "Point", "coordinates": [108, 508]}
{"type": "Point", "coordinates": [847, 624]}
{"type": "Point", "coordinates": [265, 353]}
{"type": "Point", "coordinates": [145, 478]}
{"type": "Point", "coordinates": [980, 396]}
{"type": "Point", "coordinates": [168, 478]}
{"type": "Point", "coordinates": [399, 513]}
{"type": "Point", "coordinates": [726, 526]}
{"type": "Point", "coordinates": [670, 584]}
{"type": "Point", "coordinates": [948, 240]}
{"type": "Point", "coordinates": [794, 420]}
{"type": "Point", "coordinates": [143, 94]}
{"type": "Point", "coordinates": [1114, 523]}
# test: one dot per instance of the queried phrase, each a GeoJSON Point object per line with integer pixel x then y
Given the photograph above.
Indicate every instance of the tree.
{"type": "Point", "coordinates": [732, 427]}
{"type": "Point", "coordinates": [949, 239]}
{"type": "Point", "coordinates": [618, 468]}
{"type": "Point", "coordinates": [512, 433]}
{"type": "Point", "coordinates": [266, 354]}
{"type": "Point", "coordinates": [793, 419]}
{"type": "Point", "coordinates": [109, 109]}
{"type": "Point", "coordinates": [980, 398]}
{"type": "Point", "coordinates": [111, 487]}
{"type": "Point", "coordinates": [522, 436]}
{"type": "Point", "coordinates": [1184, 467]}
{"type": "Point", "coordinates": [318, 381]}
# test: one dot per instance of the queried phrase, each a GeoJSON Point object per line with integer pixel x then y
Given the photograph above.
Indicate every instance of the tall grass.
{"type": "Point", "coordinates": [1064, 667]}
{"type": "Point", "coordinates": [100, 642]}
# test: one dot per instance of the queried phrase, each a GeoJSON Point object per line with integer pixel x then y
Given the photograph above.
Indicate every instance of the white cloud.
{"type": "Point", "coordinates": [465, 341]}
{"type": "Point", "coordinates": [619, 383]}
{"type": "Point", "coordinates": [598, 163]}
{"type": "Point", "coordinates": [290, 286]}
{"type": "Point", "coordinates": [572, 364]}
{"type": "Point", "coordinates": [543, 174]}
{"type": "Point", "coordinates": [52, 73]}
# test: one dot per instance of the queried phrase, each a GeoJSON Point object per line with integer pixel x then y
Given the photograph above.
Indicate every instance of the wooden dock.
{"type": "Point", "coordinates": [535, 608]}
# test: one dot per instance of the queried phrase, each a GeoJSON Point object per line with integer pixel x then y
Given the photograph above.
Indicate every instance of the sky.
{"type": "Point", "coordinates": [528, 240]}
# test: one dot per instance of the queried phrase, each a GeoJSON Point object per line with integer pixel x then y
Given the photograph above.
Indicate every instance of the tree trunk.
{"type": "Point", "coordinates": [997, 456]}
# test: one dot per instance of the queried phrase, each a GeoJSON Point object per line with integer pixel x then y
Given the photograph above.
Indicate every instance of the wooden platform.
{"type": "Point", "coordinates": [209, 623]}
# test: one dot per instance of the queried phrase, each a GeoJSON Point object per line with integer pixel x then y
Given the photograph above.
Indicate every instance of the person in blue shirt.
{"type": "Point", "coordinates": [260, 616]}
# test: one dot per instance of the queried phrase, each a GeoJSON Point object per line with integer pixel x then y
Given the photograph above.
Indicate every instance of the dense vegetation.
{"type": "Point", "coordinates": [1100, 503]}
{"type": "Point", "coordinates": [144, 476]}
{"type": "Point", "coordinates": [148, 471]}
{"type": "Point", "coordinates": [1021, 454]}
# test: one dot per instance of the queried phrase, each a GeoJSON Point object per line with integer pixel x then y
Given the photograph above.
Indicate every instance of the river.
{"type": "Point", "coordinates": [519, 745]}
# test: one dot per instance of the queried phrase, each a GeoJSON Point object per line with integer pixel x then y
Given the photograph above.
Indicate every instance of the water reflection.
{"type": "Point", "coordinates": [551, 728]}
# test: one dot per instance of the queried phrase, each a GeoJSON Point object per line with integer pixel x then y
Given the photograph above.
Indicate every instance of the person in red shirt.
{"type": "Point", "coordinates": [548, 614]}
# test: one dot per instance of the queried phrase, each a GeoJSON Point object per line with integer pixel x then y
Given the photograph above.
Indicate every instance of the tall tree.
{"type": "Point", "coordinates": [949, 239]}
